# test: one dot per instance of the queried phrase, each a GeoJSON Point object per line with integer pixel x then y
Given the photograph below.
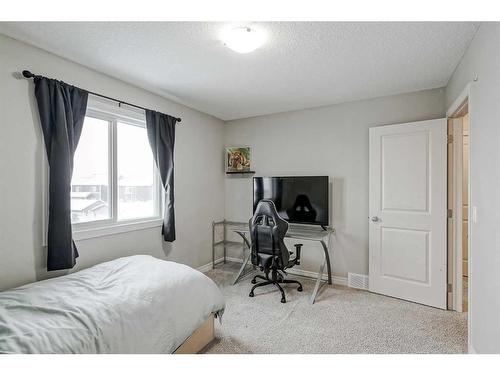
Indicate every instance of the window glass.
{"type": "Point", "coordinates": [90, 198]}
{"type": "Point", "coordinates": [135, 173]}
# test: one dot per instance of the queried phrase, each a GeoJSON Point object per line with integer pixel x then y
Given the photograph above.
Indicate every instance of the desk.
{"type": "Point", "coordinates": [313, 234]}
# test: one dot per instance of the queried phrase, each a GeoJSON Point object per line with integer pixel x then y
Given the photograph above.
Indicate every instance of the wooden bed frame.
{"type": "Point", "coordinates": [199, 338]}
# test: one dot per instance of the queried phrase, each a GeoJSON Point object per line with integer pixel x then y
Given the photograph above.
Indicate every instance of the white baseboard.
{"type": "Point", "coordinates": [207, 267]}
{"type": "Point", "coordinates": [338, 280]}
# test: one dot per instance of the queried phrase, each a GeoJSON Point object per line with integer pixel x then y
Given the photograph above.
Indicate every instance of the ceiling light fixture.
{"type": "Point", "coordinates": [243, 39]}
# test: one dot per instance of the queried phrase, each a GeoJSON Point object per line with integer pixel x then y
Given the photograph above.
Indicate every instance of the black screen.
{"type": "Point", "coordinates": [302, 200]}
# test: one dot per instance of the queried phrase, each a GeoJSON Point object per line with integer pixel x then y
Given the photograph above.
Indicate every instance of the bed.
{"type": "Point", "coordinates": [136, 304]}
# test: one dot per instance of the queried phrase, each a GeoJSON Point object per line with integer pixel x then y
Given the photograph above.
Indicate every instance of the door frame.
{"type": "Point", "coordinates": [455, 204]}
{"type": "Point", "coordinates": [458, 103]}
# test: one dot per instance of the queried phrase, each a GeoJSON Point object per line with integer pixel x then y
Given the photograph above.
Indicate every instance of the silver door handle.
{"type": "Point", "coordinates": [375, 219]}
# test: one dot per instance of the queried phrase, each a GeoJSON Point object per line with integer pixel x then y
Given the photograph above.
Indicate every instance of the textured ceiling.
{"type": "Point", "coordinates": [302, 65]}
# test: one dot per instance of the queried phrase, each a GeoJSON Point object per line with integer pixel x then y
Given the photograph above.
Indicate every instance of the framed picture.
{"type": "Point", "coordinates": [238, 159]}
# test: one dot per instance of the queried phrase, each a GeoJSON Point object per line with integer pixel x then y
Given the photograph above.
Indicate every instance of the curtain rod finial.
{"type": "Point", "coordinates": [28, 74]}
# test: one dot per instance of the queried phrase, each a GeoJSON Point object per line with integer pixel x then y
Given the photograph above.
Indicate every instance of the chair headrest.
{"type": "Point", "coordinates": [268, 209]}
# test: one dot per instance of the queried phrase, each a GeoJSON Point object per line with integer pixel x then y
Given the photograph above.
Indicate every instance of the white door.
{"type": "Point", "coordinates": [407, 227]}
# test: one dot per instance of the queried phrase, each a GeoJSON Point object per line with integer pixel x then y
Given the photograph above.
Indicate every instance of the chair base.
{"type": "Point", "coordinates": [276, 283]}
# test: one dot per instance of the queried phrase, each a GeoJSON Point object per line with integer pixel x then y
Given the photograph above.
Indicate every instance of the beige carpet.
{"type": "Point", "coordinates": [342, 320]}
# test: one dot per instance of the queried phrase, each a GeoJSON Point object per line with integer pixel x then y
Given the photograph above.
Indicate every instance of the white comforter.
{"type": "Point", "coordinates": [137, 304]}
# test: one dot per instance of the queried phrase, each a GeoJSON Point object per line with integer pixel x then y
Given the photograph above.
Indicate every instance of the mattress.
{"type": "Point", "coordinates": [136, 304]}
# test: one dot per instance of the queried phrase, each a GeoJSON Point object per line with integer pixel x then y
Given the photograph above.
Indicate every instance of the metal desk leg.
{"type": "Point", "coordinates": [321, 270]}
{"type": "Point", "coordinates": [327, 260]}
{"type": "Point", "coordinates": [242, 235]}
{"type": "Point", "coordinates": [245, 259]}
{"type": "Point", "coordinates": [318, 283]}
{"type": "Point", "coordinates": [242, 269]}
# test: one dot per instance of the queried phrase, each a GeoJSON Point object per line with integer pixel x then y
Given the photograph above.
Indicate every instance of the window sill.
{"type": "Point", "coordinates": [115, 228]}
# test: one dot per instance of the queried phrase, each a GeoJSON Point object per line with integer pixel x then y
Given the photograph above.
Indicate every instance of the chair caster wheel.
{"type": "Point", "coordinates": [254, 281]}
{"type": "Point", "coordinates": [283, 300]}
{"type": "Point", "coordinates": [251, 294]}
{"type": "Point", "coordinates": [299, 289]}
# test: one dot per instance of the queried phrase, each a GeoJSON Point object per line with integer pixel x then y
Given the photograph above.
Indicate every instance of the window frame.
{"type": "Point", "coordinates": [114, 113]}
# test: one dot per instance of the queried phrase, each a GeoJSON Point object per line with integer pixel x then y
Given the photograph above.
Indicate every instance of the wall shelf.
{"type": "Point", "coordinates": [242, 172]}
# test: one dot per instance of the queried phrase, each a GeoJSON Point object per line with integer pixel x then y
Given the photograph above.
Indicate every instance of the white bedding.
{"type": "Point", "coordinates": [137, 304]}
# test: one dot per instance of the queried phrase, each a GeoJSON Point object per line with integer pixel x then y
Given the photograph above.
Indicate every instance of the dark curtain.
{"type": "Point", "coordinates": [62, 111]}
{"type": "Point", "coordinates": [161, 135]}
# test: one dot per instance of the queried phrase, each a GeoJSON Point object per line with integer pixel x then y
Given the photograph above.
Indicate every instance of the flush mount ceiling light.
{"type": "Point", "coordinates": [243, 39]}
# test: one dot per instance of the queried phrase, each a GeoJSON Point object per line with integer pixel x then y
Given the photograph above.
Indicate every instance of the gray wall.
{"type": "Point", "coordinates": [329, 141]}
{"type": "Point", "coordinates": [483, 59]}
{"type": "Point", "coordinates": [199, 175]}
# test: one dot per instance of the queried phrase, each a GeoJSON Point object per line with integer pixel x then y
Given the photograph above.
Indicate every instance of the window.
{"type": "Point", "coordinates": [115, 181]}
{"type": "Point", "coordinates": [137, 195]}
{"type": "Point", "coordinates": [90, 191]}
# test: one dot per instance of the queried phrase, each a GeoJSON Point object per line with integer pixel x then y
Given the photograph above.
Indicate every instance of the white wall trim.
{"type": "Point", "coordinates": [471, 349]}
{"type": "Point", "coordinates": [462, 97]}
{"type": "Point", "coordinates": [459, 101]}
{"type": "Point", "coordinates": [116, 228]}
{"type": "Point", "coordinates": [337, 280]}
{"type": "Point", "coordinates": [207, 267]}
{"type": "Point", "coordinates": [457, 205]}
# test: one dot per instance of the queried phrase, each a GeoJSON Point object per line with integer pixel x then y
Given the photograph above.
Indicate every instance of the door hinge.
{"type": "Point", "coordinates": [450, 288]}
{"type": "Point", "coordinates": [450, 138]}
{"type": "Point", "coordinates": [450, 213]}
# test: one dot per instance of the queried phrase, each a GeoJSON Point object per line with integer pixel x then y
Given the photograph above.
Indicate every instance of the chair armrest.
{"type": "Point", "coordinates": [298, 247]}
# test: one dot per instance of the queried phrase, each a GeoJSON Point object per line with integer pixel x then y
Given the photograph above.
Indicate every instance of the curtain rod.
{"type": "Point", "coordinates": [28, 74]}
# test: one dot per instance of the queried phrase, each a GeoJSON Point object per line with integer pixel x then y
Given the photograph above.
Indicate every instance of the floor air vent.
{"type": "Point", "coordinates": [355, 280]}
